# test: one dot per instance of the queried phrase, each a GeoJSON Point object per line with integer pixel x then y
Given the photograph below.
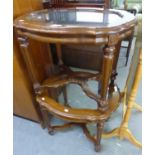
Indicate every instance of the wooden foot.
{"type": "Point", "coordinates": [43, 125]}
{"type": "Point", "coordinates": [114, 132]}
{"type": "Point", "coordinates": [126, 133]}
{"type": "Point", "coordinates": [122, 133]}
{"type": "Point", "coordinates": [51, 131]}
{"type": "Point", "coordinates": [97, 148]}
{"type": "Point", "coordinates": [137, 106]}
{"type": "Point", "coordinates": [46, 120]}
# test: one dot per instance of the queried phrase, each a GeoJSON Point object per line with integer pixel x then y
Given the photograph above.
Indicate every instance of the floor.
{"type": "Point", "coordinates": [31, 139]}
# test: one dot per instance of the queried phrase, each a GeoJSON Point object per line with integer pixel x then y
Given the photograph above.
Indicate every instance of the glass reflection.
{"type": "Point", "coordinates": [82, 17]}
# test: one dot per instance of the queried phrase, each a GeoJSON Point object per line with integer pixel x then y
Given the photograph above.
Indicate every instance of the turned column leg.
{"type": "Point", "coordinates": [60, 62]}
{"type": "Point", "coordinates": [24, 45]}
{"type": "Point", "coordinates": [98, 136]}
{"type": "Point", "coordinates": [108, 57]}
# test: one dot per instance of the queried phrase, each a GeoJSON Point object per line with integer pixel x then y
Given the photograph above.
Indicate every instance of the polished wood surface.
{"type": "Point", "coordinates": [48, 105]}
{"type": "Point", "coordinates": [48, 26]}
{"type": "Point", "coordinates": [77, 115]}
{"type": "Point", "coordinates": [91, 40]}
{"type": "Point", "coordinates": [69, 30]}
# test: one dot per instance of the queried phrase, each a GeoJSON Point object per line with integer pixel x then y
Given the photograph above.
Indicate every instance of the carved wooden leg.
{"type": "Point", "coordinates": [106, 73]}
{"type": "Point", "coordinates": [46, 119]}
{"type": "Point", "coordinates": [24, 44]}
{"type": "Point", "coordinates": [98, 136]}
{"type": "Point", "coordinates": [124, 132]}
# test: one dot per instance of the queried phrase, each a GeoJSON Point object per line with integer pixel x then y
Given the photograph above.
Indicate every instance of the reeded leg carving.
{"type": "Point", "coordinates": [108, 57]}
{"type": "Point", "coordinates": [24, 44]}
{"type": "Point", "coordinates": [98, 136]}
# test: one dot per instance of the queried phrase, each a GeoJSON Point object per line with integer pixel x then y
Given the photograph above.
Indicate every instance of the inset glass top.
{"type": "Point", "coordinates": [76, 17]}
